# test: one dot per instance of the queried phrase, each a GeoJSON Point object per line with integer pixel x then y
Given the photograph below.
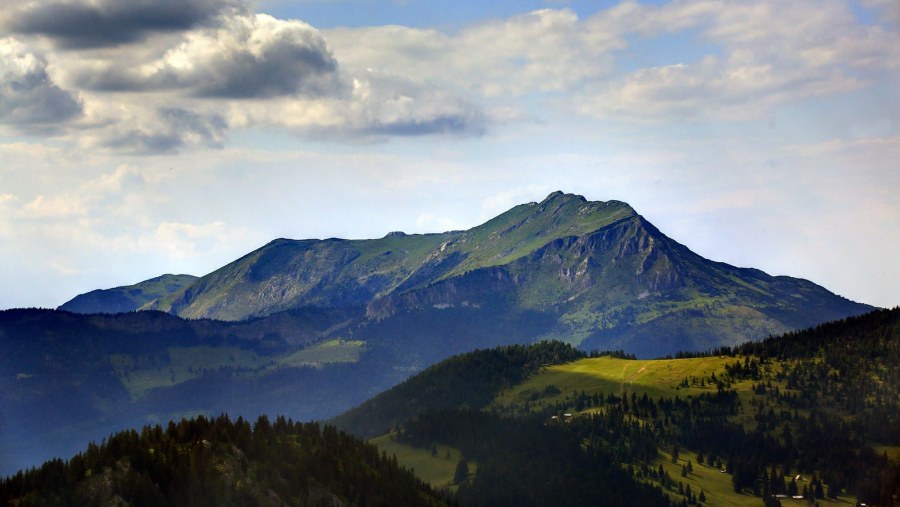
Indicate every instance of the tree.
{"type": "Point", "coordinates": [462, 471]}
{"type": "Point", "coordinates": [819, 492]}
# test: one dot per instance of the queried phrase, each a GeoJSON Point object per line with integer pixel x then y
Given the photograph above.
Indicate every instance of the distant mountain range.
{"type": "Point", "coordinates": [311, 328]}
{"type": "Point", "coordinates": [594, 274]}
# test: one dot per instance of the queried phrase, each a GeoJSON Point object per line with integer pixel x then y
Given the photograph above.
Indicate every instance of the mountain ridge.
{"type": "Point", "coordinates": [606, 275]}
{"type": "Point", "coordinates": [127, 298]}
{"type": "Point", "coordinates": [377, 267]}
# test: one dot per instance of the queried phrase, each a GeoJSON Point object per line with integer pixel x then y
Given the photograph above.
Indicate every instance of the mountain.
{"type": "Point", "coordinates": [335, 272]}
{"type": "Point", "coordinates": [127, 298]}
{"type": "Point", "coordinates": [595, 274]}
{"type": "Point", "coordinates": [311, 328]}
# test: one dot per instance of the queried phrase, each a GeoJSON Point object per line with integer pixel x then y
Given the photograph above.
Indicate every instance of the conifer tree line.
{"type": "Point", "coordinates": [220, 462]}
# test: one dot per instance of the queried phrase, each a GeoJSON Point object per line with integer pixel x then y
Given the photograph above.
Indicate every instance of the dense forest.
{"type": "Point", "coordinates": [219, 462]}
{"type": "Point", "coordinates": [523, 461]}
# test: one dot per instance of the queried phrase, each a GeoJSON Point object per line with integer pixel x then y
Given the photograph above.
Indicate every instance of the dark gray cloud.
{"type": "Point", "coordinates": [464, 122]}
{"type": "Point", "coordinates": [246, 57]}
{"type": "Point", "coordinates": [172, 130]}
{"type": "Point", "coordinates": [29, 99]}
{"type": "Point", "coordinates": [83, 24]}
{"type": "Point", "coordinates": [285, 67]}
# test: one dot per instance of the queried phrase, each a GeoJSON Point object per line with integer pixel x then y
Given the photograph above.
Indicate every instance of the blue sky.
{"type": "Point", "coordinates": [145, 137]}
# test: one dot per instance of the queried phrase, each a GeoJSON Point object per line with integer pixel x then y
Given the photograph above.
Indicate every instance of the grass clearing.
{"type": "Point", "coordinates": [179, 365]}
{"type": "Point", "coordinates": [717, 487]}
{"type": "Point", "coordinates": [330, 351]}
{"type": "Point", "coordinates": [437, 470]}
{"type": "Point", "coordinates": [606, 375]}
{"type": "Point", "coordinates": [893, 452]}
{"type": "Point", "coordinates": [715, 484]}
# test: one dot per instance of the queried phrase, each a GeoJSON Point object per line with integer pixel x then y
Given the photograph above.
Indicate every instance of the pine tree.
{"type": "Point", "coordinates": [462, 471]}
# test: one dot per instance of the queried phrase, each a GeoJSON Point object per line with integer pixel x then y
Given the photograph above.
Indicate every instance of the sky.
{"type": "Point", "coordinates": [142, 137]}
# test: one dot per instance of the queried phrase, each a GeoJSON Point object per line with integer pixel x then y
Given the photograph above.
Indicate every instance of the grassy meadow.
{"type": "Point", "coordinates": [437, 470]}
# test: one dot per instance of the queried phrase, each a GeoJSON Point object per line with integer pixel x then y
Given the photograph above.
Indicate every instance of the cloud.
{"type": "Point", "coordinates": [711, 89]}
{"type": "Point", "coordinates": [375, 83]}
{"type": "Point", "coordinates": [180, 240]}
{"type": "Point", "coordinates": [542, 51]}
{"type": "Point", "coordinates": [108, 190]}
{"type": "Point", "coordinates": [8, 202]}
{"type": "Point", "coordinates": [771, 54]}
{"type": "Point", "coordinates": [98, 23]}
{"type": "Point", "coordinates": [427, 221]}
{"type": "Point", "coordinates": [379, 105]}
{"type": "Point", "coordinates": [164, 130]}
{"type": "Point", "coordinates": [383, 104]}
{"type": "Point", "coordinates": [258, 71]}
{"type": "Point", "coordinates": [889, 9]}
{"type": "Point", "coordinates": [29, 99]}
{"type": "Point", "coordinates": [244, 57]}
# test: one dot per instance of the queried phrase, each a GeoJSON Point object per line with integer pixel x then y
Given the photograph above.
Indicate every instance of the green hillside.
{"type": "Point", "coordinates": [127, 298]}
{"type": "Point", "coordinates": [472, 380]}
{"type": "Point", "coordinates": [816, 410]}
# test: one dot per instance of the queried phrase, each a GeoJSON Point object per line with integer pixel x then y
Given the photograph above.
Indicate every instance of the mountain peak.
{"type": "Point", "coordinates": [560, 201]}
{"type": "Point", "coordinates": [560, 196]}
